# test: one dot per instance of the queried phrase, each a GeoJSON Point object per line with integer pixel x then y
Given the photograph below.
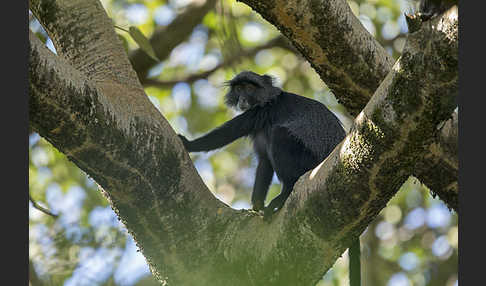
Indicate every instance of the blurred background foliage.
{"type": "Point", "coordinates": [412, 242]}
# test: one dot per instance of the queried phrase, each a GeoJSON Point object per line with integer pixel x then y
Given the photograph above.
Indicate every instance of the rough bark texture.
{"type": "Point", "coordinates": [438, 170]}
{"type": "Point", "coordinates": [111, 131]}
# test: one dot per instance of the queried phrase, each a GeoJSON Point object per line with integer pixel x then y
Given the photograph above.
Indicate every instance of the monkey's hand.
{"type": "Point", "coordinates": [184, 141]}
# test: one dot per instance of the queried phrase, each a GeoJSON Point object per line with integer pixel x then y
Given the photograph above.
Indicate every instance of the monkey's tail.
{"type": "Point", "coordinates": [354, 254]}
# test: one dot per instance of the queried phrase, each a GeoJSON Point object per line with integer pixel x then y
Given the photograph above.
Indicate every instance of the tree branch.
{"type": "Point", "coordinates": [120, 139]}
{"type": "Point", "coordinates": [276, 42]}
{"type": "Point", "coordinates": [165, 39]}
{"type": "Point", "coordinates": [83, 34]}
{"type": "Point", "coordinates": [41, 208]}
{"type": "Point", "coordinates": [438, 170]}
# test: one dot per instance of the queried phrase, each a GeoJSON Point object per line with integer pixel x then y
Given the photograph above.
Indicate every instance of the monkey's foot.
{"type": "Point", "coordinates": [268, 212]}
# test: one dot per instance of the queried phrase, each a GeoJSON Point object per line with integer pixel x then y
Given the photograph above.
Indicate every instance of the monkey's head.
{"type": "Point", "coordinates": [249, 89]}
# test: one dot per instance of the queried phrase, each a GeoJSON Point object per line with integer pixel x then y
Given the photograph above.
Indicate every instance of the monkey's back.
{"type": "Point", "coordinates": [310, 122]}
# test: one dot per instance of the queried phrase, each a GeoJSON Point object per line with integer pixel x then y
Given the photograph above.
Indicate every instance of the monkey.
{"type": "Point", "coordinates": [291, 134]}
{"type": "Point", "coordinates": [432, 8]}
{"type": "Point", "coordinates": [427, 10]}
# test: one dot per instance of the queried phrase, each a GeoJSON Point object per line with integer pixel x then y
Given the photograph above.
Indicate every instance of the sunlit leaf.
{"type": "Point", "coordinates": [142, 42]}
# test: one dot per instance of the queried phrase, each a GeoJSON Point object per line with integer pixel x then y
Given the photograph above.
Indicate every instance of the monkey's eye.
{"type": "Point", "coordinates": [250, 87]}
{"type": "Point", "coordinates": [238, 88]}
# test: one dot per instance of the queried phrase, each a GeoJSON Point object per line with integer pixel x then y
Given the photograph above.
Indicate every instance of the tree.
{"type": "Point", "coordinates": [87, 101]}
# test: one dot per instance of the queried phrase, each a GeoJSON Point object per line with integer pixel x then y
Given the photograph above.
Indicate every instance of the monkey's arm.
{"type": "Point", "coordinates": [237, 127]}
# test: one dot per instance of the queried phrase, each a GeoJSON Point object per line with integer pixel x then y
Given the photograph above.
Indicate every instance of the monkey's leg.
{"type": "Point", "coordinates": [263, 178]}
{"type": "Point", "coordinates": [290, 160]}
{"type": "Point", "coordinates": [277, 203]}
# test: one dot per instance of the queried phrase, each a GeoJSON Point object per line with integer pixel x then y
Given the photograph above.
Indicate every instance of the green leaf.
{"type": "Point", "coordinates": [142, 42]}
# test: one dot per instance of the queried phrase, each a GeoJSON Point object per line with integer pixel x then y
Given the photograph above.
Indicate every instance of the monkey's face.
{"type": "Point", "coordinates": [245, 95]}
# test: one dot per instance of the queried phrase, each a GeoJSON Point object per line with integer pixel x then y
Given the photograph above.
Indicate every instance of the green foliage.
{"type": "Point", "coordinates": [56, 243]}
{"type": "Point", "coordinates": [142, 42]}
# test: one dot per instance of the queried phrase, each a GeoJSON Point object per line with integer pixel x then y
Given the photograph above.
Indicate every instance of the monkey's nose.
{"type": "Point", "coordinates": [243, 105]}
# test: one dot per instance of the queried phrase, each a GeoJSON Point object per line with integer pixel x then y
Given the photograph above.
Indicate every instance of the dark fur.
{"type": "Point", "coordinates": [432, 8]}
{"type": "Point", "coordinates": [291, 134]}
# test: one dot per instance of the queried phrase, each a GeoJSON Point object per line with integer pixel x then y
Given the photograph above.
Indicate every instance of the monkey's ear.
{"type": "Point", "coordinates": [268, 79]}
{"type": "Point", "coordinates": [270, 87]}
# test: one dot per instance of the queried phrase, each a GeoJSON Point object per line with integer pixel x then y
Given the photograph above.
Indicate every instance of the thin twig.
{"type": "Point", "coordinates": [121, 28]}
{"type": "Point", "coordinates": [40, 208]}
{"type": "Point", "coordinates": [276, 42]}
